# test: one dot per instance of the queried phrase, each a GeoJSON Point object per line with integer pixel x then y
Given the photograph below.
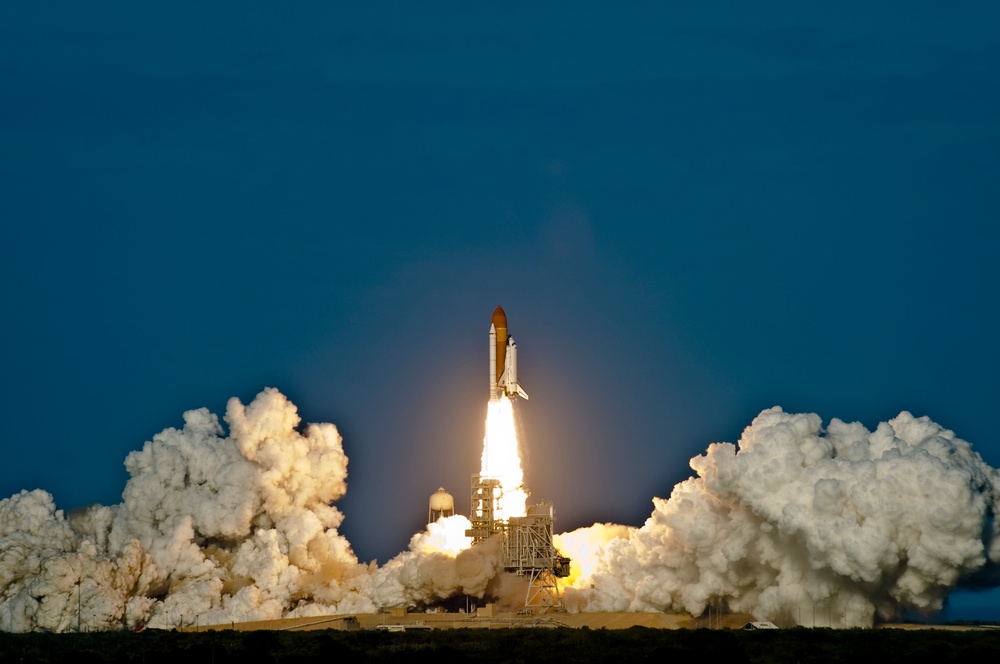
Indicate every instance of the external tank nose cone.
{"type": "Point", "coordinates": [499, 317]}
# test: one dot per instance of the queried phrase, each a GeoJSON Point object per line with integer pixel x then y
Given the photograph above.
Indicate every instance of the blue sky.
{"type": "Point", "coordinates": [690, 213]}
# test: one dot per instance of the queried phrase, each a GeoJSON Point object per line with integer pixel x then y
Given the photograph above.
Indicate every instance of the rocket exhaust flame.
{"type": "Point", "coordinates": [501, 460]}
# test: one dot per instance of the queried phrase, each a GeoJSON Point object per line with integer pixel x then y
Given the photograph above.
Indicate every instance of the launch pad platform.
{"type": "Point", "coordinates": [418, 621]}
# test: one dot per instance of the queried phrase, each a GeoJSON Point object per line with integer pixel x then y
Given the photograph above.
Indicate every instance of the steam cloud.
{"type": "Point", "coordinates": [797, 523]}
{"type": "Point", "coordinates": [807, 526]}
{"type": "Point", "coordinates": [217, 529]}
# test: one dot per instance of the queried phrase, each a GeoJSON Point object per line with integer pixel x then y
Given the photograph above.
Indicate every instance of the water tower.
{"type": "Point", "coordinates": [441, 505]}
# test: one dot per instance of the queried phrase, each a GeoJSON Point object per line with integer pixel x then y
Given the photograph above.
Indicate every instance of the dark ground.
{"type": "Point", "coordinates": [509, 645]}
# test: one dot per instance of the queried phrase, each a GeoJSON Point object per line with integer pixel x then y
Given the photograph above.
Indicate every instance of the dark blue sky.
{"type": "Point", "coordinates": [689, 215]}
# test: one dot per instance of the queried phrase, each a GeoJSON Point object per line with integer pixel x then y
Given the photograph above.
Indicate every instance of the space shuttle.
{"type": "Point", "coordinates": [503, 360]}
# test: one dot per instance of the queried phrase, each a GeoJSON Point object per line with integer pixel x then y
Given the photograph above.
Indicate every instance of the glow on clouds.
{"type": "Point", "coordinates": [839, 525]}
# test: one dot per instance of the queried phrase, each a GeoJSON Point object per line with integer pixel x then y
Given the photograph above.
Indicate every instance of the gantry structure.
{"type": "Point", "coordinates": [526, 542]}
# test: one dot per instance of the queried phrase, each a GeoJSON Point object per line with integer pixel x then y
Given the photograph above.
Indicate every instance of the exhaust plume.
{"type": "Point", "coordinates": [214, 529]}
{"type": "Point", "coordinates": [501, 458]}
{"type": "Point", "coordinates": [801, 525]}
{"type": "Point", "coordinates": [796, 523]}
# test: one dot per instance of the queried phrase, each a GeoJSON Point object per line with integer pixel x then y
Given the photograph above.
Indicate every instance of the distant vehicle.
{"type": "Point", "coordinates": [760, 624]}
{"type": "Point", "coordinates": [419, 627]}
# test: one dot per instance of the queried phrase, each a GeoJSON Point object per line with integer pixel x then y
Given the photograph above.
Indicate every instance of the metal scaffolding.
{"type": "Point", "coordinates": [528, 551]}
{"type": "Point", "coordinates": [486, 494]}
{"type": "Point", "coordinates": [527, 547]}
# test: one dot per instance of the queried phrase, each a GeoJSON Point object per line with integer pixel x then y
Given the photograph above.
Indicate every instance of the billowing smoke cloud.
{"type": "Point", "coordinates": [797, 524]}
{"type": "Point", "coordinates": [214, 529]}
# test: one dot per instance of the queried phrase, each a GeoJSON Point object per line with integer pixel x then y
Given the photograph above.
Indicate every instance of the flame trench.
{"type": "Point", "coordinates": [501, 460]}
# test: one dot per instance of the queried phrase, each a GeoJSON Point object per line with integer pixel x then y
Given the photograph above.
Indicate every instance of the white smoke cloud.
{"type": "Point", "coordinates": [420, 578]}
{"type": "Point", "coordinates": [798, 524]}
{"type": "Point", "coordinates": [214, 529]}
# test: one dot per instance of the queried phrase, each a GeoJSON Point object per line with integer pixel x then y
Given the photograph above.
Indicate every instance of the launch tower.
{"type": "Point", "coordinates": [528, 551]}
{"type": "Point", "coordinates": [526, 542]}
{"type": "Point", "coordinates": [485, 512]}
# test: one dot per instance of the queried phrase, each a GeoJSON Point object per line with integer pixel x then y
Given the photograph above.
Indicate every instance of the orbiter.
{"type": "Point", "coordinates": [503, 360]}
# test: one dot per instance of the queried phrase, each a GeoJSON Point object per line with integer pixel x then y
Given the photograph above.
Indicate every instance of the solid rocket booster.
{"type": "Point", "coordinates": [503, 360]}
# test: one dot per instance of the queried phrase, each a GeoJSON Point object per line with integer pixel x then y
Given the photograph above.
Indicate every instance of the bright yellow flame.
{"type": "Point", "coordinates": [446, 535]}
{"type": "Point", "coordinates": [584, 547]}
{"type": "Point", "coordinates": [501, 460]}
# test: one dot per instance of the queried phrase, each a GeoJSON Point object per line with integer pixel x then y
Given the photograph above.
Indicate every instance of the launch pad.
{"type": "Point", "coordinates": [526, 542]}
{"type": "Point", "coordinates": [524, 531]}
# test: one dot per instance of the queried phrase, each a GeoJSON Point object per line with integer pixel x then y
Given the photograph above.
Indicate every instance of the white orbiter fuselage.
{"type": "Point", "coordinates": [503, 360]}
